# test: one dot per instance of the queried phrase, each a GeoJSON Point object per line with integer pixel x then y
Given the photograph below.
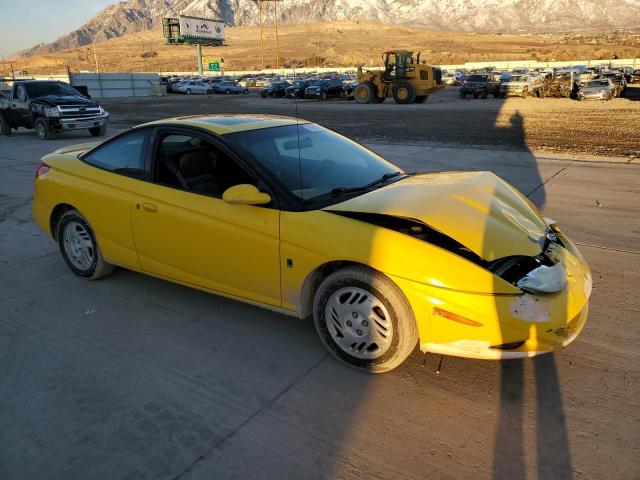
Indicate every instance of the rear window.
{"type": "Point", "coordinates": [123, 155]}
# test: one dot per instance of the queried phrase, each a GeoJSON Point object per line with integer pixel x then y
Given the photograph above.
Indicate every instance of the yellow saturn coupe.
{"type": "Point", "coordinates": [291, 216]}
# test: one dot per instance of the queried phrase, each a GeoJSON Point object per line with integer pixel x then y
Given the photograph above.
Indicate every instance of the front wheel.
{"type": "Point", "coordinates": [79, 247]}
{"type": "Point", "coordinates": [365, 93]}
{"type": "Point", "coordinates": [98, 131]}
{"type": "Point", "coordinates": [44, 130]}
{"type": "Point", "coordinates": [364, 319]}
{"type": "Point", "coordinates": [188, 92]}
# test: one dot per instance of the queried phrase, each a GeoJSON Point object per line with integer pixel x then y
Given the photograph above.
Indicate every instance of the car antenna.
{"type": "Point", "coordinates": [295, 101]}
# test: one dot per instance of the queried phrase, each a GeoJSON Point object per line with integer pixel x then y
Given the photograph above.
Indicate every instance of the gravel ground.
{"type": "Point", "coordinates": [556, 125]}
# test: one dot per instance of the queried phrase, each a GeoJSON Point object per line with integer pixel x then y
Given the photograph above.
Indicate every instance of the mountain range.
{"type": "Point", "coordinates": [482, 16]}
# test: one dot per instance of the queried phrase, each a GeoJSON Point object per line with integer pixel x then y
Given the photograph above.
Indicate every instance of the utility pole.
{"type": "Point", "coordinates": [275, 5]}
{"type": "Point", "coordinates": [95, 56]}
{"type": "Point", "coordinates": [200, 69]}
{"type": "Point", "coordinates": [261, 39]}
{"type": "Point", "coordinates": [276, 21]}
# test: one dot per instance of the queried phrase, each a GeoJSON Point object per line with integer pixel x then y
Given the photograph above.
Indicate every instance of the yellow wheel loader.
{"type": "Point", "coordinates": [408, 81]}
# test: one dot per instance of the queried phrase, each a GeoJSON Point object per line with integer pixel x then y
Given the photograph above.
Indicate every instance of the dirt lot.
{"type": "Point", "coordinates": [134, 378]}
{"type": "Point", "coordinates": [551, 124]}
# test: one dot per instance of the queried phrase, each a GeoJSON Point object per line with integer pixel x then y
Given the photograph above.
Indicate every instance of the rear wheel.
{"type": "Point", "coordinates": [323, 95]}
{"type": "Point", "coordinates": [188, 92]}
{"type": "Point", "coordinates": [404, 92]}
{"type": "Point", "coordinates": [463, 95]}
{"type": "Point", "coordinates": [364, 319]}
{"type": "Point", "coordinates": [5, 127]}
{"type": "Point", "coordinates": [484, 94]}
{"type": "Point", "coordinates": [476, 95]}
{"type": "Point", "coordinates": [227, 91]}
{"type": "Point", "coordinates": [44, 130]}
{"type": "Point", "coordinates": [79, 248]}
{"type": "Point", "coordinates": [365, 93]}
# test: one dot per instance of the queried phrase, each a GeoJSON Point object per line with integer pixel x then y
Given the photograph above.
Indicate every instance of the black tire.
{"type": "Point", "coordinates": [404, 93]}
{"type": "Point", "coordinates": [188, 91]}
{"type": "Point", "coordinates": [463, 95]}
{"type": "Point", "coordinates": [421, 98]}
{"type": "Point", "coordinates": [484, 95]}
{"type": "Point", "coordinates": [98, 131]}
{"type": "Point", "coordinates": [209, 91]}
{"type": "Point", "coordinates": [97, 268]}
{"type": "Point", "coordinates": [227, 91]}
{"type": "Point", "coordinates": [524, 92]}
{"type": "Point", "coordinates": [5, 127]}
{"type": "Point", "coordinates": [476, 95]}
{"type": "Point", "coordinates": [323, 95]}
{"type": "Point", "coordinates": [263, 95]}
{"type": "Point", "coordinates": [365, 93]}
{"type": "Point", "coordinates": [403, 325]}
{"type": "Point", "coordinates": [44, 130]}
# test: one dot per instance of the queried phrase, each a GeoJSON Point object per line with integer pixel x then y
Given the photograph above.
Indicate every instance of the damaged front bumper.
{"type": "Point", "coordinates": [495, 327]}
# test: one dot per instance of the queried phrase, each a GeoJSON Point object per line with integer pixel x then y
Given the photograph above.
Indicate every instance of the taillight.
{"type": "Point", "coordinates": [42, 169]}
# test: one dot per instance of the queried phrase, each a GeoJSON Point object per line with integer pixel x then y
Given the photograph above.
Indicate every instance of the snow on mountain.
{"type": "Point", "coordinates": [494, 16]}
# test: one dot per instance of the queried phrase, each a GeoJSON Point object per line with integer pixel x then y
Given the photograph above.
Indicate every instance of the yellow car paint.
{"type": "Point", "coordinates": [267, 257]}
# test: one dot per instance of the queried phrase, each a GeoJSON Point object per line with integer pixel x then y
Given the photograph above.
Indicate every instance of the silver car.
{"type": "Point", "coordinates": [600, 89]}
{"type": "Point", "coordinates": [193, 86]}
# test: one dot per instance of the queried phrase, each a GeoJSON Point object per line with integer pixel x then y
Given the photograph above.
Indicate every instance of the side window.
{"type": "Point", "coordinates": [21, 94]}
{"type": "Point", "coordinates": [123, 155]}
{"type": "Point", "coordinates": [189, 163]}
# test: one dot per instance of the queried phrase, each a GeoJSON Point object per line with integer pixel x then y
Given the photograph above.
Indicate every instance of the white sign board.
{"type": "Point", "coordinates": [200, 28]}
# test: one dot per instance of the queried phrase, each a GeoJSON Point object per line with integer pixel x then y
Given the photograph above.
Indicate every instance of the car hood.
{"type": "Point", "coordinates": [478, 209]}
{"type": "Point", "coordinates": [54, 100]}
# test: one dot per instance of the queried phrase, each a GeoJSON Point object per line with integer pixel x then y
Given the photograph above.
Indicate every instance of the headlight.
{"type": "Point", "coordinates": [102, 111]}
{"type": "Point", "coordinates": [52, 112]}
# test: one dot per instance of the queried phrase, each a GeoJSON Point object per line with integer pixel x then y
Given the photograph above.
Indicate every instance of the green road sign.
{"type": "Point", "coordinates": [214, 66]}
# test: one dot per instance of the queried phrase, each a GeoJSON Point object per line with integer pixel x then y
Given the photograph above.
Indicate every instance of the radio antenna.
{"type": "Point", "coordinates": [295, 101]}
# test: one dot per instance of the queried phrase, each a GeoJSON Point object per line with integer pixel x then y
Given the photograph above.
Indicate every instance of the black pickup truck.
{"type": "Point", "coordinates": [50, 107]}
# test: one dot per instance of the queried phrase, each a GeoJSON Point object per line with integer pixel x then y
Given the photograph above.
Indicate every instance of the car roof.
{"type": "Point", "coordinates": [222, 124]}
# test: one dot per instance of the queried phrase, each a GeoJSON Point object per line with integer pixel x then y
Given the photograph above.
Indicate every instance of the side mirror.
{"type": "Point", "coordinates": [245, 194]}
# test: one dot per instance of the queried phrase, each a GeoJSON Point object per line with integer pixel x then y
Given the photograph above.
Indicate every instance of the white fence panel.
{"type": "Point", "coordinates": [114, 85]}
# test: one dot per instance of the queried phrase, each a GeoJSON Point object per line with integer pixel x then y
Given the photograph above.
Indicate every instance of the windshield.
{"type": "Point", "coordinates": [478, 78]}
{"type": "Point", "coordinates": [326, 164]}
{"type": "Point", "coordinates": [518, 78]}
{"type": "Point", "coordinates": [597, 83]}
{"type": "Point", "coordinates": [40, 89]}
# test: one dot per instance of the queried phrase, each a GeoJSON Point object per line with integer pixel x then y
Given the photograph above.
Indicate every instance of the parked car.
{"type": "Point", "coordinates": [521, 85]}
{"type": "Point", "coordinates": [291, 216]}
{"type": "Point", "coordinates": [50, 107]}
{"type": "Point", "coordinates": [634, 77]}
{"type": "Point", "coordinates": [297, 89]}
{"type": "Point", "coordinates": [228, 87]}
{"type": "Point", "coordinates": [194, 86]}
{"type": "Point", "coordinates": [276, 89]}
{"type": "Point", "coordinates": [618, 80]}
{"type": "Point", "coordinates": [448, 78]}
{"type": "Point", "coordinates": [325, 89]}
{"type": "Point", "coordinates": [560, 85]}
{"type": "Point", "coordinates": [481, 85]}
{"type": "Point", "coordinates": [598, 89]}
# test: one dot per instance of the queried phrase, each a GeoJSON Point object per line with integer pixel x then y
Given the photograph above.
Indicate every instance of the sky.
{"type": "Point", "coordinates": [26, 23]}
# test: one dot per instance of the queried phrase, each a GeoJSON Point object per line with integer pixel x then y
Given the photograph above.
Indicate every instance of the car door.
{"type": "Point", "coordinates": [185, 232]}
{"type": "Point", "coordinates": [19, 107]}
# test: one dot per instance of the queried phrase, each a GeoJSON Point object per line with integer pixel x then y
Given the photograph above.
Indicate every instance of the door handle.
{"type": "Point", "coordinates": [150, 207]}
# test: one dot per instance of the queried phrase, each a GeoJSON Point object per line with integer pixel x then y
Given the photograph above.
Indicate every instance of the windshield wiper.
{"type": "Point", "coordinates": [382, 179]}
